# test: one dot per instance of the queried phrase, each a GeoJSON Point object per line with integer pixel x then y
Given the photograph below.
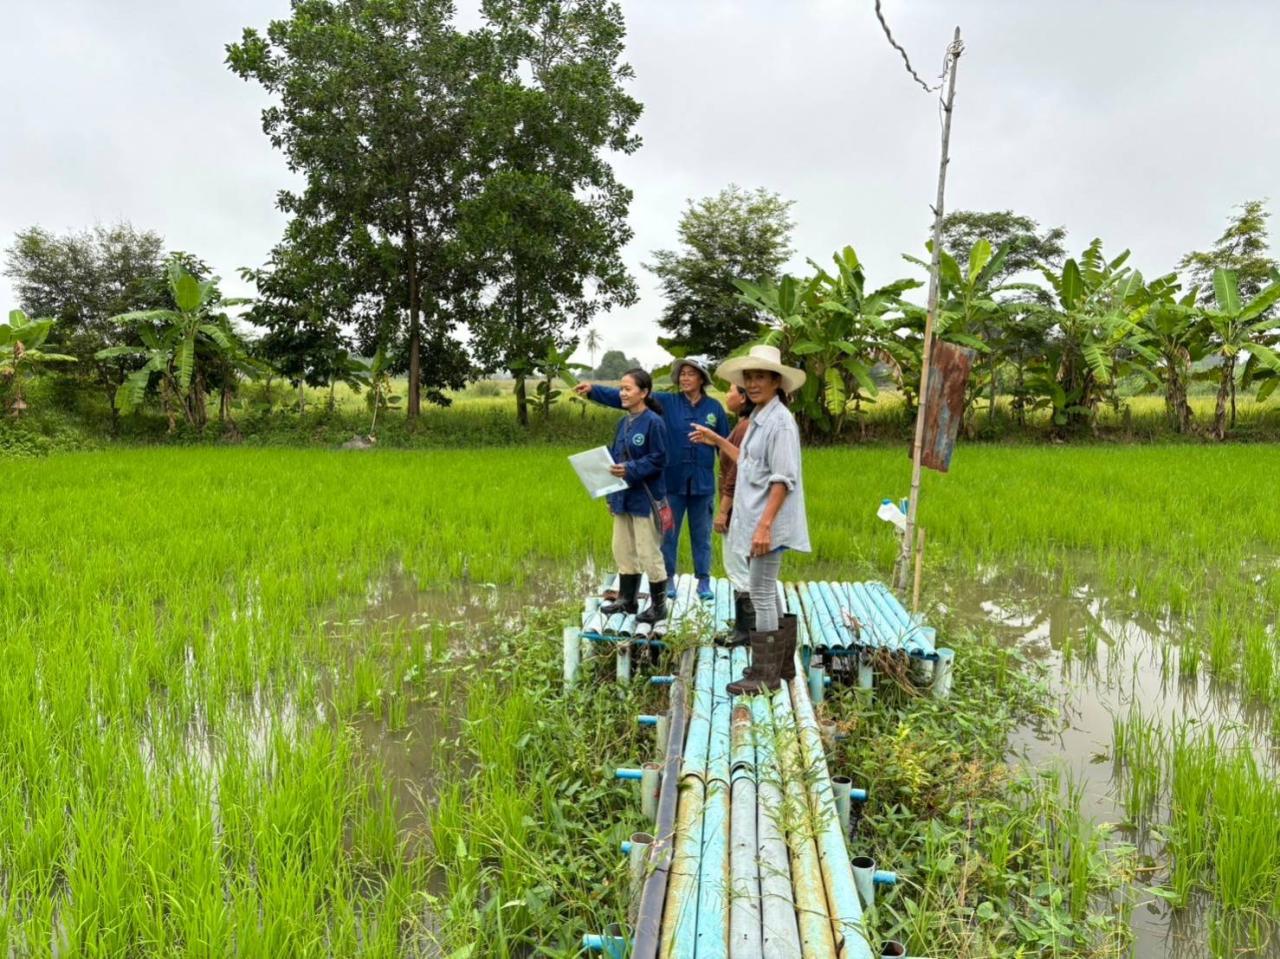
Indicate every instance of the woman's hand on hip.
{"type": "Point", "coordinates": [762, 541]}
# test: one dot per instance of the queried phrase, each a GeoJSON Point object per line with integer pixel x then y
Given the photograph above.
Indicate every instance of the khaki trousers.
{"type": "Point", "coordinates": [636, 548]}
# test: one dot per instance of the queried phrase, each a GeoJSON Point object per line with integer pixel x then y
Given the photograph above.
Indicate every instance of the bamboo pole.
{"type": "Point", "coordinates": [915, 591]}
{"type": "Point", "coordinates": [953, 59]}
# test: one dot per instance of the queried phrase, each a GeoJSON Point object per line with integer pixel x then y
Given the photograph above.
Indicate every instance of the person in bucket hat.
{"type": "Point", "coordinates": [690, 476]}
{"type": "Point", "coordinates": [768, 515]}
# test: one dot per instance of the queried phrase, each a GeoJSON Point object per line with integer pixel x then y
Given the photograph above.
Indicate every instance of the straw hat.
{"type": "Point", "coordinates": [761, 358]}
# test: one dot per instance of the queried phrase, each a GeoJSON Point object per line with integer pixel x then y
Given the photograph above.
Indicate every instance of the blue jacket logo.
{"type": "Point", "coordinates": [638, 439]}
{"type": "Point", "coordinates": [711, 419]}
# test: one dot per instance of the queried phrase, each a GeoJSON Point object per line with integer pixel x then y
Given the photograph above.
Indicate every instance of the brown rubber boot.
{"type": "Point", "coordinates": [787, 626]}
{"type": "Point", "coordinates": [764, 675]}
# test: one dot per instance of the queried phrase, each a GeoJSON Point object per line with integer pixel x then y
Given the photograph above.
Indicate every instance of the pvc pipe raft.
{"type": "Point", "coordinates": [833, 853]}
{"type": "Point", "coordinates": [744, 871]}
{"type": "Point", "coordinates": [713, 878]}
{"type": "Point", "coordinates": [654, 895]}
{"type": "Point", "coordinates": [816, 935]}
{"type": "Point", "coordinates": [780, 933]}
{"type": "Point", "coordinates": [701, 912]}
{"type": "Point", "coordinates": [680, 915]}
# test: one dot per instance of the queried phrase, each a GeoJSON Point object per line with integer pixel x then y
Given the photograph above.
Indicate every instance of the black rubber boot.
{"type": "Point", "coordinates": [744, 621]}
{"type": "Point", "coordinates": [765, 672]}
{"type": "Point", "coordinates": [628, 586]}
{"type": "Point", "coordinates": [787, 627]}
{"type": "Point", "coordinates": [657, 609]}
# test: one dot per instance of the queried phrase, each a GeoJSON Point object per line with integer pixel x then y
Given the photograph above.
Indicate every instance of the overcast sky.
{"type": "Point", "coordinates": [1139, 121]}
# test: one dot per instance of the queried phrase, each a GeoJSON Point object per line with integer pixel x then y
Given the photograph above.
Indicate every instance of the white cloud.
{"type": "Point", "coordinates": [1141, 122]}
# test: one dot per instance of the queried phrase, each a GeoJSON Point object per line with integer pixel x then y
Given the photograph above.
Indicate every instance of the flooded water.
{"type": "Point", "coordinates": [1102, 661]}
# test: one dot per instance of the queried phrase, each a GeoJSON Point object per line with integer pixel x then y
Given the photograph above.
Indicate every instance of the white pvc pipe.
{"type": "Point", "coordinates": [572, 651]}
{"type": "Point", "coordinates": [942, 673]}
{"type": "Point", "coordinates": [866, 675]}
{"type": "Point", "coordinates": [842, 787]}
{"type": "Point", "coordinates": [637, 857]}
{"type": "Point", "coordinates": [624, 662]}
{"type": "Point", "coordinates": [864, 870]}
{"type": "Point", "coordinates": [817, 684]}
{"type": "Point", "coordinates": [650, 781]}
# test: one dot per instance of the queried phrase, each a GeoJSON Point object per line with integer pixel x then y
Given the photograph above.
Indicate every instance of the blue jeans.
{"type": "Point", "coordinates": [698, 509]}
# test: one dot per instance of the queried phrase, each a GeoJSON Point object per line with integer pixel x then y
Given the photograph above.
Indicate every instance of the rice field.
{"type": "Point", "coordinates": [222, 731]}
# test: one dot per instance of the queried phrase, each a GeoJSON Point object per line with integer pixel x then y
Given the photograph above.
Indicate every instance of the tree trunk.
{"type": "Point", "coordinates": [302, 398]}
{"type": "Point", "coordinates": [991, 410]}
{"type": "Point", "coordinates": [229, 427]}
{"type": "Point", "coordinates": [414, 406]}
{"type": "Point", "coordinates": [522, 401]}
{"type": "Point", "coordinates": [1233, 399]}
{"type": "Point", "coordinates": [1224, 389]}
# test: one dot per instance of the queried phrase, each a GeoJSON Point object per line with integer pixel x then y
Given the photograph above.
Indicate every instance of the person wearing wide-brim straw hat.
{"type": "Point", "coordinates": [768, 508]}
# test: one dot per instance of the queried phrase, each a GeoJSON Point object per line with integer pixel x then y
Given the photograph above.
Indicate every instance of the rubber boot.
{"type": "Point", "coordinates": [657, 609]}
{"type": "Point", "coordinates": [705, 592]}
{"type": "Point", "coordinates": [628, 587]}
{"type": "Point", "coordinates": [787, 626]}
{"type": "Point", "coordinates": [766, 666]}
{"type": "Point", "coordinates": [744, 621]}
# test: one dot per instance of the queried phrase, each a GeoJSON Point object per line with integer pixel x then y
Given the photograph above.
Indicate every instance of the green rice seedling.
{"type": "Point", "coordinates": [1137, 746]}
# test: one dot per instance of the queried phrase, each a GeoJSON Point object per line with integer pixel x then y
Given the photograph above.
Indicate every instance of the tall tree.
{"type": "Point", "coordinates": [84, 279]}
{"type": "Point", "coordinates": [546, 227]}
{"type": "Point", "coordinates": [735, 235]}
{"type": "Point", "coordinates": [1014, 333]}
{"type": "Point", "coordinates": [1244, 250]}
{"type": "Point", "coordinates": [374, 111]}
{"type": "Point", "coordinates": [1027, 245]}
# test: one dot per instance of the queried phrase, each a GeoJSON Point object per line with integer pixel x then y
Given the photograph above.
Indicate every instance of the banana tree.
{"type": "Point", "coordinates": [181, 349]}
{"type": "Point", "coordinates": [1236, 329]}
{"type": "Point", "coordinates": [20, 354]}
{"type": "Point", "coordinates": [837, 331]}
{"type": "Point", "coordinates": [1172, 340]}
{"type": "Point", "coordinates": [555, 365]}
{"type": "Point", "coordinates": [1093, 339]}
{"type": "Point", "coordinates": [970, 313]}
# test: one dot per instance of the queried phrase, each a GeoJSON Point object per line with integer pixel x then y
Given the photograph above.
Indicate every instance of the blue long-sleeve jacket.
{"type": "Point", "coordinates": [641, 445]}
{"type": "Point", "coordinates": [691, 467]}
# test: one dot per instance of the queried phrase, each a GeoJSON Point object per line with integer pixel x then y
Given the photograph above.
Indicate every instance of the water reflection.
{"type": "Point", "coordinates": [1105, 657]}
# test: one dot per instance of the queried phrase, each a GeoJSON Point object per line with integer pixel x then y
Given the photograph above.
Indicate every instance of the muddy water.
{"type": "Point", "coordinates": [468, 614]}
{"type": "Point", "coordinates": [1102, 660]}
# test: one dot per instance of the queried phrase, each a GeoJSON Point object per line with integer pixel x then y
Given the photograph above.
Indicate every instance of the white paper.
{"type": "Point", "coordinates": [592, 467]}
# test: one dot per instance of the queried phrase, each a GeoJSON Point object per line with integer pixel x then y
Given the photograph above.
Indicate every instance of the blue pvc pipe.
{"type": "Point", "coordinates": [833, 854]}
{"type": "Point", "coordinates": [884, 877]}
{"type": "Point", "coordinates": [713, 903]}
{"type": "Point", "coordinates": [632, 775]}
{"type": "Point", "coordinates": [777, 898]}
{"type": "Point", "coordinates": [646, 720]}
{"type": "Point", "coordinates": [661, 680]}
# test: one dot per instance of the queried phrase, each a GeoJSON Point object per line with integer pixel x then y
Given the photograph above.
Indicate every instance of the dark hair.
{"type": "Point", "coordinates": [645, 382]}
{"type": "Point", "coordinates": [747, 406]}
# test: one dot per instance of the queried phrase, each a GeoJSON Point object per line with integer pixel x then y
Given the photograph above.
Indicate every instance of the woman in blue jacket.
{"type": "Point", "coordinates": [691, 467]}
{"type": "Point", "coordinates": [639, 453]}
